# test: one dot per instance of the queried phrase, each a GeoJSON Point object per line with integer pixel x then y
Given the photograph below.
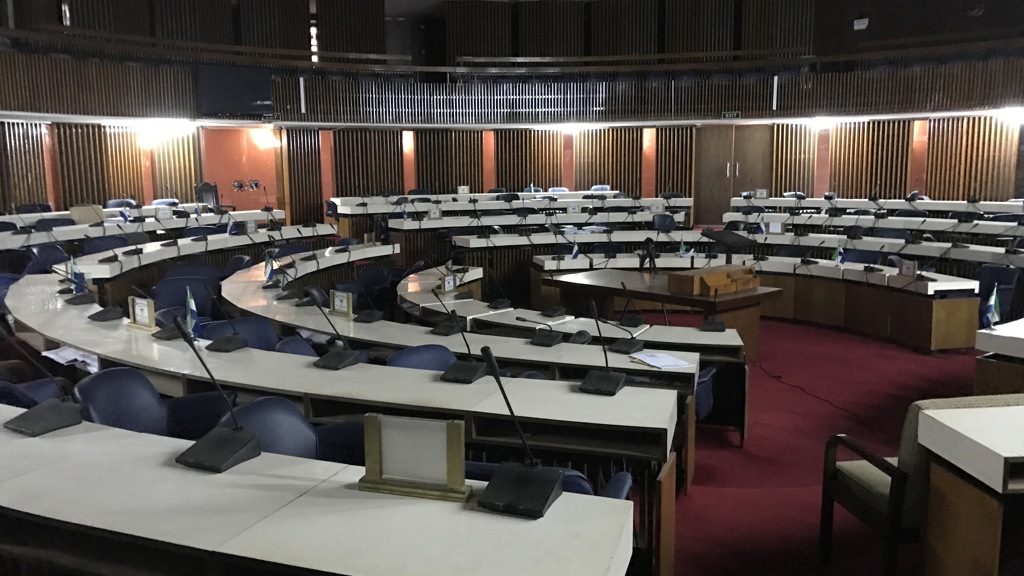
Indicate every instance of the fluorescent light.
{"type": "Point", "coordinates": [1013, 115]}
{"type": "Point", "coordinates": [264, 138]}
{"type": "Point", "coordinates": [819, 123]}
{"type": "Point", "coordinates": [153, 133]}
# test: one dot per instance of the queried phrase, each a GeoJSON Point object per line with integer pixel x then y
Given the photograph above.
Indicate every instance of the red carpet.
{"type": "Point", "coordinates": [755, 510]}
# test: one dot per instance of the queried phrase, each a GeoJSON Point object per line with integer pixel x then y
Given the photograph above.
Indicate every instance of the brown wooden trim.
{"type": "Point", "coordinates": [328, 185]}
{"type": "Point", "coordinates": [284, 196]}
{"type": "Point", "coordinates": [148, 176]}
{"type": "Point", "coordinates": [568, 161]}
{"type": "Point", "coordinates": [489, 162]}
{"type": "Point", "coordinates": [408, 160]}
{"type": "Point", "coordinates": [649, 166]}
{"type": "Point", "coordinates": [918, 179]}
{"type": "Point", "coordinates": [822, 163]}
{"type": "Point", "coordinates": [54, 191]}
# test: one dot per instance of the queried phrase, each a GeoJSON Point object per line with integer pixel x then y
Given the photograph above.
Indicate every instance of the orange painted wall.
{"type": "Point", "coordinates": [231, 154]}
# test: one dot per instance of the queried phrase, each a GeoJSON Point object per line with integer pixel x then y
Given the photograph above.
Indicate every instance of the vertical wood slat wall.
{"type": "Point", "coordinates": [274, 23]}
{"type": "Point", "coordinates": [870, 158]}
{"type": "Point", "coordinates": [116, 16]}
{"type": "Point", "coordinates": [778, 24]}
{"type": "Point", "coordinates": [22, 172]}
{"type": "Point", "coordinates": [33, 14]}
{"type": "Point", "coordinates": [699, 25]}
{"type": "Point", "coordinates": [208, 21]}
{"type": "Point", "coordinates": [612, 156]}
{"type": "Point", "coordinates": [446, 159]}
{"type": "Point", "coordinates": [794, 149]}
{"type": "Point", "coordinates": [973, 156]}
{"type": "Point", "coordinates": [674, 160]}
{"type": "Point", "coordinates": [305, 201]}
{"type": "Point", "coordinates": [624, 27]}
{"type": "Point", "coordinates": [122, 160]}
{"type": "Point", "coordinates": [477, 28]}
{"type": "Point", "coordinates": [525, 156]}
{"type": "Point", "coordinates": [367, 162]}
{"type": "Point", "coordinates": [351, 26]}
{"type": "Point", "coordinates": [176, 167]}
{"type": "Point", "coordinates": [82, 165]}
{"type": "Point", "coordinates": [551, 28]}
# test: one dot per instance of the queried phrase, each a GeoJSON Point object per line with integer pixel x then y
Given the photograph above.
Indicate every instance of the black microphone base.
{"type": "Point", "coordinates": [272, 285]}
{"type": "Point", "coordinates": [870, 268]}
{"type": "Point", "coordinates": [286, 295]}
{"type": "Point", "coordinates": [631, 320]}
{"type": "Point", "coordinates": [46, 417]}
{"type": "Point", "coordinates": [308, 258]}
{"type": "Point", "coordinates": [108, 259]}
{"type": "Point", "coordinates": [169, 243]}
{"type": "Point", "coordinates": [626, 346]}
{"type": "Point", "coordinates": [133, 252]}
{"type": "Point", "coordinates": [107, 314]}
{"type": "Point", "coordinates": [500, 304]}
{"type": "Point", "coordinates": [553, 311]}
{"type": "Point", "coordinates": [522, 490]}
{"type": "Point", "coordinates": [369, 316]}
{"type": "Point", "coordinates": [713, 326]}
{"type": "Point", "coordinates": [959, 246]}
{"type": "Point", "coordinates": [82, 299]}
{"type": "Point", "coordinates": [304, 302]}
{"type": "Point", "coordinates": [801, 233]}
{"type": "Point", "coordinates": [220, 450]}
{"type": "Point", "coordinates": [603, 383]}
{"type": "Point", "coordinates": [336, 359]}
{"type": "Point", "coordinates": [546, 338]}
{"type": "Point", "coordinates": [446, 328]}
{"type": "Point", "coordinates": [228, 343]}
{"type": "Point", "coordinates": [200, 239]}
{"type": "Point", "coordinates": [65, 291]}
{"type": "Point", "coordinates": [22, 231]}
{"type": "Point", "coordinates": [167, 333]}
{"type": "Point", "coordinates": [464, 372]}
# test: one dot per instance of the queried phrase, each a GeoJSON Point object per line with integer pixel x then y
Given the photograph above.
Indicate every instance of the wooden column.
{"type": "Point", "coordinates": [918, 179]}
{"type": "Point", "coordinates": [149, 176]}
{"type": "Point", "coordinates": [51, 164]}
{"type": "Point", "coordinates": [327, 182]}
{"type": "Point", "coordinates": [568, 161]}
{"type": "Point", "coordinates": [489, 162]}
{"type": "Point", "coordinates": [408, 160]}
{"type": "Point", "coordinates": [648, 169]}
{"type": "Point", "coordinates": [822, 165]}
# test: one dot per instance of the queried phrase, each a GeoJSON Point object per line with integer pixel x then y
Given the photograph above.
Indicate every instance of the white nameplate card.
{"type": "Point", "coordinates": [141, 313]}
{"type": "Point", "coordinates": [573, 208]}
{"type": "Point", "coordinates": [341, 303]}
{"type": "Point", "coordinates": [434, 214]}
{"type": "Point", "coordinates": [449, 283]}
{"type": "Point", "coordinates": [908, 268]}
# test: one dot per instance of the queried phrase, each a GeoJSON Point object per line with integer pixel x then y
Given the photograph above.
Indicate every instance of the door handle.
{"type": "Point", "coordinates": [728, 169]}
{"type": "Point", "coordinates": [737, 169]}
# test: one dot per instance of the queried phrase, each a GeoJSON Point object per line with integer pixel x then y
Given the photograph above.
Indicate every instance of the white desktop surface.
{"type": "Point", "coordinates": [336, 527]}
{"type": "Point", "coordinates": [730, 338]}
{"type": "Point", "coordinates": [979, 441]}
{"type": "Point", "coordinates": [572, 325]}
{"type": "Point", "coordinates": [1006, 339]}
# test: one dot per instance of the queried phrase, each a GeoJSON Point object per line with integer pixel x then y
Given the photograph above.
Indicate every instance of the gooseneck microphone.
{"type": "Point", "coordinates": [461, 371]}
{"type": "Point", "coordinates": [623, 345]}
{"type": "Point", "coordinates": [221, 448]}
{"type": "Point", "coordinates": [526, 489]}
{"type": "Point", "coordinates": [229, 342]}
{"type": "Point", "coordinates": [543, 338]}
{"type": "Point", "coordinates": [499, 303]}
{"type": "Point", "coordinates": [337, 357]}
{"type": "Point", "coordinates": [167, 332]}
{"type": "Point", "coordinates": [50, 414]}
{"type": "Point", "coordinates": [603, 382]}
{"type": "Point", "coordinates": [367, 316]}
{"type": "Point", "coordinates": [710, 323]}
{"type": "Point", "coordinates": [106, 314]}
{"type": "Point", "coordinates": [630, 319]}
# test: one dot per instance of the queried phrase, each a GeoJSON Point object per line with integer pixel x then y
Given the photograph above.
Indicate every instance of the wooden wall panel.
{"type": "Point", "coordinates": [351, 26]}
{"type": "Point", "coordinates": [674, 164]}
{"type": "Point", "coordinates": [525, 156]}
{"type": "Point", "coordinates": [699, 26]}
{"type": "Point", "coordinates": [778, 24]}
{"type": "Point", "coordinates": [176, 167]}
{"type": "Point", "coordinates": [624, 27]}
{"type": "Point", "coordinates": [33, 14]}
{"type": "Point", "coordinates": [478, 28]}
{"type": "Point", "coordinates": [116, 16]}
{"type": "Point", "coordinates": [22, 172]}
{"type": "Point", "coordinates": [612, 156]}
{"type": "Point", "coordinates": [551, 28]}
{"type": "Point", "coordinates": [208, 21]}
{"type": "Point", "coordinates": [98, 163]}
{"type": "Point", "coordinates": [446, 159]}
{"type": "Point", "coordinates": [122, 159]}
{"type": "Point", "coordinates": [58, 84]}
{"type": "Point", "coordinates": [794, 150]}
{"type": "Point", "coordinates": [274, 23]}
{"type": "Point", "coordinates": [870, 158]}
{"type": "Point", "coordinates": [972, 156]}
{"type": "Point", "coordinates": [304, 200]}
{"type": "Point", "coordinates": [367, 162]}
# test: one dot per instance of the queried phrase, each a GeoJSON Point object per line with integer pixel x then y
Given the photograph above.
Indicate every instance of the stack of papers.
{"type": "Point", "coordinates": [659, 360]}
{"type": "Point", "coordinates": [67, 356]}
{"type": "Point", "coordinates": [595, 229]}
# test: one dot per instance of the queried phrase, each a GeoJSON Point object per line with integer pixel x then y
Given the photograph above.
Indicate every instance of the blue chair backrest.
{"type": "Point", "coordinates": [751, 209]}
{"type": "Point", "coordinates": [6, 226]}
{"type": "Point", "coordinates": [171, 293]}
{"type": "Point", "coordinates": [419, 192]}
{"type": "Point", "coordinates": [280, 426]}
{"type": "Point", "coordinates": [425, 357]}
{"type": "Point", "coordinates": [497, 191]}
{"type": "Point", "coordinates": [193, 231]}
{"type": "Point", "coordinates": [575, 482]}
{"type": "Point", "coordinates": [533, 189]}
{"type": "Point", "coordinates": [557, 189]}
{"type": "Point", "coordinates": [509, 197]}
{"type": "Point", "coordinates": [296, 345]}
{"type": "Point", "coordinates": [600, 188]}
{"type": "Point", "coordinates": [897, 233]}
{"type": "Point", "coordinates": [1005, 217]}
{"type": "Point", "coordinates": [1004, 279]}
{"type": "Point", "coordinates": [120, 203]}
{"type": "Point", "coordinates": [606, 248]}
{"type": "Point", "coordinates": [236, 263]}
{"type": "Point", "coordinates": [703, 392]}
{"type": "Point", "coordinates": [48, 252]}
{"type": "Point", "coordinates": [855, 256]}
{"type": "Point", "coordinates": [793, 251]}
{"type": "Point", "coordinates": [103, 244]}
{"type": "Point", "coordinates": [908, 213]}
{"type": "Point", "coordinates": [166, 202]}
{"type": "Point", "coordinates": [347, 242]}
{"type": "Point", "coordinates": [289, 250]}
{"type": "Point", "coordinates": [14, 395]}
{"type": "Point", "coordinates": [860, 212]}
{"type": "Point", "coordinates": [122, 398]}
{"type": "Point", "coordinates": [664, 222]}
{"type": "Point", "coordinates": [525, 211]}
{"type": "Point", "coordinates": [32, 208]}
{"type": "Point", "coordinates": [208, 272]}
{"type": "Point", "coordinates": [966, 215]}
{"type": "Point", "coordinates": [257, 331]}
{"type": "Point", "coordinates": [47, 224]}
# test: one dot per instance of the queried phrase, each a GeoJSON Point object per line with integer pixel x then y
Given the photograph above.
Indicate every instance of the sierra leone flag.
{"type": "Point", "coordinates": [575, 250]}
{"type": "Point", "coordinates": [268, 268]}
{"type": "Point", "coordinates": [992, 309]}
{"type": "Point", "coordinates": [191, 314]}
{"type": "Point", "coordinates": [839, 255]}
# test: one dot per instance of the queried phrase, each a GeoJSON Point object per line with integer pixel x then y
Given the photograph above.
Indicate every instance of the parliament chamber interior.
{"type": "Point", "coordinates": [453, 287]}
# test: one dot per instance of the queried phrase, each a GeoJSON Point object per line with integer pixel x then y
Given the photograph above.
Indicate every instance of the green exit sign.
{"type": "Point", "coordinates": [735, 115]}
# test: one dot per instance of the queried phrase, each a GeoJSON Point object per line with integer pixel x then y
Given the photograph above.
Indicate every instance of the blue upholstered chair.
{"type": "Point", "coordinates": [855, 256]}
{"type": "Point", "coordinates": [43, 257]}
{"type": "Point", "coordinates": [120, 203]}
{"type": "Point", "coordinates": [29, 394]}
{"type": "Point", "coordinates": [47, 224]}
{"type": "Point", "coordinates": [897, 233]}
{"type": "Point", "coordinates": [618, 486]}
{"type": "Point", "coordinates": [425, 357]}
{"type": "Point", "coordinates": [37, 208]}
{"type": "Point", "coordinates": [296, 345]}
{"type": "Point", "coordinates": [193, 231]}
{"type": "Point", "coordinates": [703, 394]}
{"type": "Point", "coordinates": [793, 251]}
{"type": "Point", "coordinates": [257, 331]}
{"type": "Point", "coordinates": [348, 242]}
{"type": "Point", "coordinates": [508, 197]}
{"type": "Point", "coordinates": [664, 222]}
{"type": "Point", "coordinates": [171, 293]}
{"type": "Point", "coordinates": [208, 272]}
{"type": "Point", "coordinates": [282, 429]}
{"type": "Point", "coordinates": [1004, 280]}
{"type": "Point", "coordinates": [6, 226]}
{"type": "Point", "coordinates": [374, 287]}
{"type": "Point", "coordinates": [125, 398]}
{"type": "Point", "coordinates": [600, 188]}
{"type": "Point", "coordinates": [236, 263]}
{"type": "Point", "coordinates": [103, 244]}
{"type": "Point", "coordinates": [534, 375]}
{"type": "Point", "coordinates": [606, 248]}
{"type": "Point", "coordinates": [533, 189]}
{"type": "Point", "coordinates": [557, 190]}
{"type": "Point", "coordinates": [908, 213]}
{"type": "Point", "coordinates": [172, 202]}
{"type": "Point", "coordinates": [1005, 217]}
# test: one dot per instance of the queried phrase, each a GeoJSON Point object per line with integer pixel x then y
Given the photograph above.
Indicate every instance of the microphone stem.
{"type": "Point", "coordinates": [188, 340]}
{"type": "Point", "coordinates": [492, 366]}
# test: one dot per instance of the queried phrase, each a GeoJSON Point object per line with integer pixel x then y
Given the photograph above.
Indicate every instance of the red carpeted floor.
{"type": "Point", "coordinates": [755, 510]}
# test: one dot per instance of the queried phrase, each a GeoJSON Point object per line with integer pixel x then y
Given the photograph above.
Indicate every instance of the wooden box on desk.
{"type": "Point", "coordinates": [708, 281]}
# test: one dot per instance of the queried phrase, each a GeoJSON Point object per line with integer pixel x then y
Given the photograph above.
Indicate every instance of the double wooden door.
{"type": "Point", "coordinates": [728, 160]}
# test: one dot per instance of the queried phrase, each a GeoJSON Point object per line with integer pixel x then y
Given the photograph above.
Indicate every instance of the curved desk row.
{"type": "Point", "coordinates": [558, 219]}
{"type": "Point", "coordinates": [890, 205]}
{"type": "Point", "coordinates": [147, 211]}
{"type": "Point", "coordinates": [1000, 369]}
{"type": "Point", "coordinates": [359, 206]}
{"type": "Point", "coordinates": [90, 489]}
{"type": "Point", "coordinates": [636, 427]}
{"type": "Point", "coordinates": [928, 225]}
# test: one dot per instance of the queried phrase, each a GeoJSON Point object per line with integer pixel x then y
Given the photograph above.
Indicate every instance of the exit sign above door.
{"type": "Point", "coordinates": [735, 115]}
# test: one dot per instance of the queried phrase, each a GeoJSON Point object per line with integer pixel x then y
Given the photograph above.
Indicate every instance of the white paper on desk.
{"type": "Point", "coordinates": [595, 229]}
{"type": "Point", "coordinates": [67, 355]}
{"type": "Point", "coordinates": [660, 360]}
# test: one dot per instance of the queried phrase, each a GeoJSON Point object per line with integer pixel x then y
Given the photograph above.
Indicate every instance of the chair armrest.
{"type": "Point", "coordinates": [192, 416]}
{"type": "Point", "coordinates": [837, 440]}
{"type": "Point", "coordinates": [16, 371]}
{"type": "Point", "coordinates": [618, 487]}
{"type": "Point", "coordinates": [43, 389]}
{"type": "Point", "coordinates": [341, 442]}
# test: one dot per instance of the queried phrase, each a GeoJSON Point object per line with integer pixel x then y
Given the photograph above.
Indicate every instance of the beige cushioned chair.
{"type": "Point", "coordinates": [888, 494]}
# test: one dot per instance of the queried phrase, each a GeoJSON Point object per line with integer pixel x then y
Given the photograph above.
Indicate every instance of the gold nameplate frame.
{"type": "Point", "coordinates": [141, 313]}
